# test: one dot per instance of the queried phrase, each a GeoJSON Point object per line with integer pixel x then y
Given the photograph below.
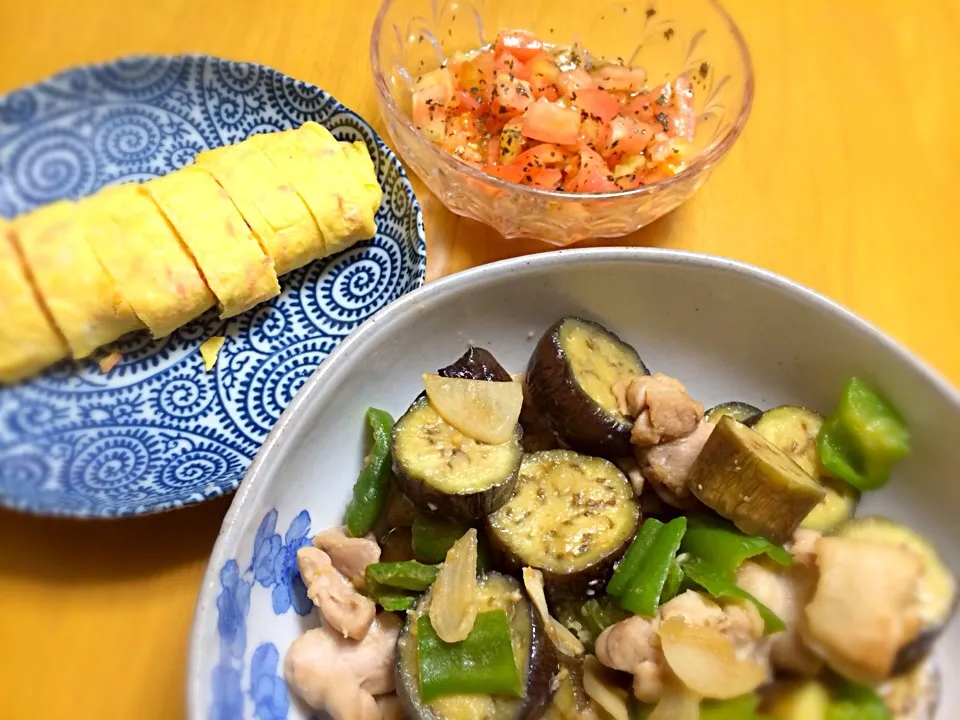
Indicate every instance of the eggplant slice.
{"type": "Point", "coordinates": [794, 431]}
{"type": "Point", "coordinates": [445, 473]}
{"type": "Point", "coordinates": [748, 480]}
{"type": "Point", "coordinates": [537, 661]}
{"type": "Point", "coordinates": [740, 411]}
{"type": "Point", "coordinates": [476, 364]}
{"type": "Point", "coordinates": [572, 516]}
{"type": "Point", "coordinates": [938, 586]}
{"type": "Point", "coordinates": [571, 377]}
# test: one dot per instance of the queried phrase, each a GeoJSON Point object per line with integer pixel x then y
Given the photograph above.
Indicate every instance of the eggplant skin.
{"type": "Point", "coordinates": [542, 667]}
{"type": "Point", "coordinates": [576, 419]}
{"type": "Point", "coordinates": [476, 364]}
{"type": "Point", "coordinates": [740, 411]}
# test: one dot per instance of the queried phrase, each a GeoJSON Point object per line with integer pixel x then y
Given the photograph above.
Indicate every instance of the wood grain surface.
{"type": "Point", "coordinates": [845, 180]}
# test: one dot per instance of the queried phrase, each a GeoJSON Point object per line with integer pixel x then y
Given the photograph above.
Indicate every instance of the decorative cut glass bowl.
{"type": "Point", "coordinates": [666, 37]}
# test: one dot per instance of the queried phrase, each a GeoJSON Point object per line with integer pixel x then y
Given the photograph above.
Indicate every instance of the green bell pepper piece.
{"type": "Point", "coordinates": [645, 586]}
{"type": "Point", "coordinates": [725, 547]}
{"type": "Point", "coordinates": [372, 488]}
{"type": "Point", "coordinates": [864, 437]}
{"type": "Point", "coordinates": [392, 599]}
{"type": "Point", "coordinates": [856, 702]}
{"type": "Point", "coordinates": [599, 614]}
{"type": "Point", "coordinates": [674, 580]}
{"type": "Point", "coordinates": [720, 585]}
{"type": "Point", "coordinates": [408, 574]}
{"type": "Point", "coordinates": [483, 663]}
{"type": "Point", "coordinates": [433, 538]}
{"type": "Point", "coordinates": [633, 558]}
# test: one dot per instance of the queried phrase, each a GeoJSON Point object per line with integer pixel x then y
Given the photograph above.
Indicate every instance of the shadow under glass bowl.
{"type": "Point", "coordinates": [666, 37]}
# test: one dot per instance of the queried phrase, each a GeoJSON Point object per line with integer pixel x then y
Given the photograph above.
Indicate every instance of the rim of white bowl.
{"type": "Point", "coordinates": [249, 488]}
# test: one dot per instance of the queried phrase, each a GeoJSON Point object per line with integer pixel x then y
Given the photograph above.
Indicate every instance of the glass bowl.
{"type": "Point", "coordinates": [666, 37]}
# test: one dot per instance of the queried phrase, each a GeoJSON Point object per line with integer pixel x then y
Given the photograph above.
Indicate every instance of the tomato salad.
{"type": "Point", "coordinates": [555, 118]}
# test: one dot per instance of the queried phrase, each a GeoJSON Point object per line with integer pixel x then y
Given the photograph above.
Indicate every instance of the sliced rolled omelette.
{"type": "Point", "coordinates": [28, 340]}
{"type": "Point", "coordinates": [145, 257]}
{"type": "Point", "coordinates": [272, 208]}
{"type": "Point", "coordinates": [79, 294]}
{"type": "Point", "coordinates": [231, 260]}
{"type": "Point", "coordinates": [318, 171]}
{"type": "Point", "coordinates": [362, 165]}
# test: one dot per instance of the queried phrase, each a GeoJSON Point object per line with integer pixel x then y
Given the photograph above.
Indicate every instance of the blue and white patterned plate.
{"type": "Point", "coordinates": [158, 432]}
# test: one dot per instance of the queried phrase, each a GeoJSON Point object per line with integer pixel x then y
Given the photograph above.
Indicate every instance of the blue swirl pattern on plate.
{"type": "Point", "coordinates": [158, 432]}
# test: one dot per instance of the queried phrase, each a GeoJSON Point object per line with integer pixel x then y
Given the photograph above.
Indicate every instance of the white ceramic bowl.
{"type": "Point", "coordinates": [727, 330]}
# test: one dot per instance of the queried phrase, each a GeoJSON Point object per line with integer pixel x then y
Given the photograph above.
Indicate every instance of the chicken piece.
{"type": "Point", "coordinates": [349, 555]}
{"type": "Point", "coordinates": [633, 645]}
{"type": "Point", "coordinates": [390, 707]}
{"type": "Point", "coordinates": [629, 467]}
{"type": "Point", "coordinates": [342, 676]}
{"type": "Point", "coordinates": [865, 607]}
{"type": "Point", "coordinates": [803, 547]}
{"type": "Point", "coordinates": [786, 591]}
{"type": "Point", "coordinates": [667, 465]}
{"type": "Point", "coordinates": [661, 406]}
{"type": "Point", "coordinates": [341, 606]}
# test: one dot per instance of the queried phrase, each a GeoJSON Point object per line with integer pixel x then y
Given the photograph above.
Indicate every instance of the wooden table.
{"type": "Point", "coordinates": [845, 180]}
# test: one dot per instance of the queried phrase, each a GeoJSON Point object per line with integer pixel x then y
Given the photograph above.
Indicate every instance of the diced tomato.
{"type": "Point", "coordinates": [597, 103]}
{"type": "Point", "coordinates": [511, 96]}
{"type": "Point", "coordinates": [571, 169]}
{"type": "Point", "coordinates": [550, 94]}
{"type": "Point", "coordinates": [620, 79]}
{"type": "Point", "coordinates": [511, 141]}
{"type": "Point", "coordinates": [511, 173]}
{"type": "Point", "coordinates": [510, 65]}
{"type": "Point", "coordinates": [594, 175]}
{"type": "Point", "coordinates": [594, 134]}
{"type": "Point", "coordinates": [462, 138]}
{"type": "Point", "coordinates": [542, 64]}
{"type": "Point", "coordinates": [569, 81]}
{"type": "Point", "coordinates": [521, 44]}
{"type": "Point", "coordinates": [660, 149]}
{"type": "Point", "coordinates": [628, 136]}
{"type": "Point", "coordinates": [493, 150]}
{"type": "Point", "coordinates": [467, 101]}
{"type": "Point", "coordinates": [643, 107]}
{"type": "Point", "coordinates": [430, 112]}
{"type": "Point", "coordinates": [544, 155]}
{"type": "Point", "coordinates": [681, 116]}
{"type": "Point", "coordinates": [547, 178]}
{"type": "Point", "coordinates": [552, 123]}
{"type": "Point", "coordinates": [477, 76]}
{"type": "Point", "coordinates": [442, 78]}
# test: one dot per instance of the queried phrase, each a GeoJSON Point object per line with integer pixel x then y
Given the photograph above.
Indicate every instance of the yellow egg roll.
{"type": "Point", "coordinates": [318, 171]}
{"type": "Point", "coordinates": [143, 253]}
{"type": "Point", "coordinates": [230, 259]}
{"type": "Point", "coordinates": [29, 342]}
{"type": "Point", "coordinates": [362, 165]}
{"type": "Point", "coordinates": [277, 215]}
{"type": "Point", "coordinates": [80, 295]}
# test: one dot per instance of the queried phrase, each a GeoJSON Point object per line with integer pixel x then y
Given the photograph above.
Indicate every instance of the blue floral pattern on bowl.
{"type": "Point", "coordinates": [158, 432]}
{"type": "Point", "coordinates": [273, 568]}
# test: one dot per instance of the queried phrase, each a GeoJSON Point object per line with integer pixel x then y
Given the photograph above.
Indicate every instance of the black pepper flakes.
{"type": "Point", "coordinates": [668, 33]}
{"type": "Point", "coordinates": [662, 119]}
{"type": "Point", "coordinates": [704, 69]}
{"type": "Point", "coordinates": [651, 12]}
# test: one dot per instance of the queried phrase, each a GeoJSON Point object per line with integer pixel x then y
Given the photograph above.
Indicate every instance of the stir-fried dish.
{"type": "Point", "coordinates": [556, 117]}
{"type": "Point", "coordinates": [584, 540]}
